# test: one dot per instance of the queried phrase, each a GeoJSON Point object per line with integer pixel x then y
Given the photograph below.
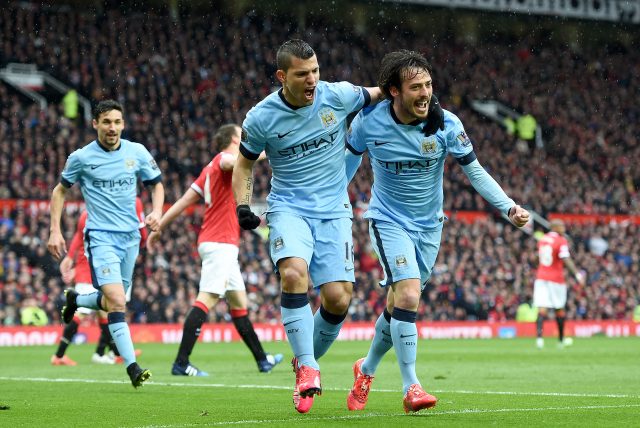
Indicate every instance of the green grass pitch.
{"type": "Point", "coordinates": [595, 382]}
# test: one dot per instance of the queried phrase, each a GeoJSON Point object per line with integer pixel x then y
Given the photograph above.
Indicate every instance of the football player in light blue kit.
{"type": "Point", "coordinates": [302, 129]}
{"type": "Point", "coordinates": [407, 148]}
{"type": "Point", "coordinates": [107, 171]}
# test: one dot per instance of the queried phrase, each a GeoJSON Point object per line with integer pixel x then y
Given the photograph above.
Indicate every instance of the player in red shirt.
{"type": "Point", "coordinates": [550, 289]}
{"type": "Point", "coordinates": [74, 268]}
{"type": "Point", "coordinates": [218, 248]}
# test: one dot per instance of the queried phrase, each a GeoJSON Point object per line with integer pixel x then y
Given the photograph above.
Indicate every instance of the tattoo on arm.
{"type": "Point", "coordinates": [249, 190]}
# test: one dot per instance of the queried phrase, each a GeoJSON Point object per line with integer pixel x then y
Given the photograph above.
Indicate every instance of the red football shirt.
{"type": "Point", "coordinates": [552, 248]}
{"type": "Point", "coordinates": [220, 222]}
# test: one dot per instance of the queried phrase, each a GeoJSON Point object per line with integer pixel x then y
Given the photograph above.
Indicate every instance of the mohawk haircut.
{"type": "Point", "coordinates": [397, 66]}
{"type": "Point", "coordinates": [292, 48]}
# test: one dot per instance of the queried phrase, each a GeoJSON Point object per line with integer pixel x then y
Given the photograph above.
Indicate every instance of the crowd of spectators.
{"type": "Point", "coordinates": [181, 79]}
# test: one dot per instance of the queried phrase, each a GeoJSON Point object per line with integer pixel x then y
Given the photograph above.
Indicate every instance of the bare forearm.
{"type": "Point", "coordinates": [157, 198]}
{"type": "Point", "coordinates": [189, 198]}
{"type": "Point", "coordinates": [570, 266]}
{"type": "Point", "coordinates": [55, 208]}
{"type": "Point", "coordinates": [242, 181]}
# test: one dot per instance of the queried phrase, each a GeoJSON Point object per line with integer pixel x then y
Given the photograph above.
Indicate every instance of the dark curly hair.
{"type": "Point", "coordinates": [396, 65]}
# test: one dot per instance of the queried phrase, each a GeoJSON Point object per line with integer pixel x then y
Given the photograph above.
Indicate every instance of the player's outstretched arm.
{"type": "Point", "coordinates": [56, 244]}
{"type": "Point", "coordinates": [189, 198]}
{"type": "Point", "coordinates": [490, 190]}
{"type": "Point", "coordinates": [518, 215]}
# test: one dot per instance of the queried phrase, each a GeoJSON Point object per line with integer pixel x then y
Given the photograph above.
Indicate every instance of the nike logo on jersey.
{"type": "Point", "coordinates": [402, 336]}
{"type": "Point", "coordinates": [94, 166]}
{"type": "Point", "coordinates": [380, 143]}
{"type": "Point", "coordinates": [285, 134]}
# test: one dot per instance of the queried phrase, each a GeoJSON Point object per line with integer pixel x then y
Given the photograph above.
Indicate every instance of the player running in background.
{"type": "Point", "coordinates": [74, 268]}
{"type": "Point", "coordinates": [550, 288]}
{"type": "Point", "coordinates": [107, 170]}
{"type": "Point", "coordinates": [218, 242]}
{"type": "Point", "coordinates": [302, 128]}
{"type": "Point", "coordinates": [408, 140]}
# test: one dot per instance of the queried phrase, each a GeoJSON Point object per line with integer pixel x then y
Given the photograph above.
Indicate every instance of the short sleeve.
{"type": "Point", "coordinates": [458, 143]}
{"type": "Point", "coordinates": [355, 143]}
{"type": "Point", "coordinates": [72, 170]}
{"type": "Point", "coordinates": [199, 184]}
{"type": "Point", "coordinates": [252, 138]}
{"type": "Point", "coordinates": [353, 97]}
{"type": "Point", "coordinates": [149, 171]}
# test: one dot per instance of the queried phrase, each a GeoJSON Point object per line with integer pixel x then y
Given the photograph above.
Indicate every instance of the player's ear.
{"type": "Point", "coordinates": [281, 75]}
{"type": "Point", "coordinates": [94, 123]}
{"type": "Point", "coordinates": [394, 91]}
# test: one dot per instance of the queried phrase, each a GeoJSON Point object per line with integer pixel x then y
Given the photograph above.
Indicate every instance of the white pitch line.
{"type": "Point", "coordinates": [288, 387]}
{"type": "Point", "coordinates": [429, 413]}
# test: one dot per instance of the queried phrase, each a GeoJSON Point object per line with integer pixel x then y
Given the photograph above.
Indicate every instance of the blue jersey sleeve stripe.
{"type": "Point", "coordinates": [367, 97]}
{"type": "Point", "coordinates": [66, 183]}
{"type": "Point", "coordinates": [247, 153]}
{"type": "Point", "coordinates": [155, 180]}
{"type": "Point", "coordinates": [467, 159]}
{"type": "Point", "coordinates": [354, 151]}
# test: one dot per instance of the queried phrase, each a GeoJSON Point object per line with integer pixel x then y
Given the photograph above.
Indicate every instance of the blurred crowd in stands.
{"type": "Point", "coordinates": [179, 80]}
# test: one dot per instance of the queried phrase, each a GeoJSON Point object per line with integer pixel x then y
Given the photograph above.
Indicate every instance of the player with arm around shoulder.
{"type": "Point", "coordinates": [302, 130]}
{"type": "Point", "coordinates": [107, 171]}
{"type": "Point", "coordinates": [408, 138]}
{"type": "Point", "coordinates": [218, 242]}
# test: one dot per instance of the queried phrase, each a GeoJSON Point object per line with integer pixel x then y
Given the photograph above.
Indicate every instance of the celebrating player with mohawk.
{"type": "Point", "coordinates": [302, 129]}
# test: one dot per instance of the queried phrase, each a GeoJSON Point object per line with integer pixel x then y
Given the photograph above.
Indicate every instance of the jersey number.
{"type": "Point", "coordinates": [545, 253]}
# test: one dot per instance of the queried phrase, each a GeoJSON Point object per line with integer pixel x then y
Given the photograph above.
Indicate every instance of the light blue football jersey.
{"type": "Point", "coordinates": [305, 147]}
{"type": "Point", "coordinates": [408, 167]}
{"type": "Point", "coordinates": [108, 181]}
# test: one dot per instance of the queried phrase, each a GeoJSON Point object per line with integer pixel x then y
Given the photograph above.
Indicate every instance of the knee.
{"type": "Point", "coordinates": [337, 299]}
{"type": "Point", "coordinates": [407, 299]}
{"type": "Point", "coordinates": [115, 303]}
{"type": "Point", "coordinates": [292, 277]}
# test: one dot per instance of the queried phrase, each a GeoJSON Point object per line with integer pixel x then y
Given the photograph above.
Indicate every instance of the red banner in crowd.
{"type": "Point", "coordinates": [463, 216]}
{"type": "Point", "coordinates": [172, 333]}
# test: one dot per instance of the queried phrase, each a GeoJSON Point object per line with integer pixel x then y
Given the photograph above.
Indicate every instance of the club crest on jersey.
{"type": "Point", "coordinates": [464, 140]}
{"type": "Point", "coordinates": [130, 163]}
{"type": "Point", "coordinates": [278, 244]}
{"type": "Point", "coordinates": [428, 146]}
{"type": "Point", "coordinates": [106, 271]}
{"type": "Point", "coordinates": [328, 117]}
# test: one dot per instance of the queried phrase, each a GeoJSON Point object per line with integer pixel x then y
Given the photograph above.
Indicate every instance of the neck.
{"type": "Point", "coordinates": [110, 148]}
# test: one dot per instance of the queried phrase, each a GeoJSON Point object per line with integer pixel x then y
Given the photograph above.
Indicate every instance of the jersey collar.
{"type": "Point", "coordinates": [398, 121]}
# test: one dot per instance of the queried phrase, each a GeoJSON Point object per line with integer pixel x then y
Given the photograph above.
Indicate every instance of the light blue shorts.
{"type": "Point", "coordinates": [112, 256]}
{"type": "Point", "coordinates": [404, 254]}
{"type": "Point", "coordinates": [326, 245]}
